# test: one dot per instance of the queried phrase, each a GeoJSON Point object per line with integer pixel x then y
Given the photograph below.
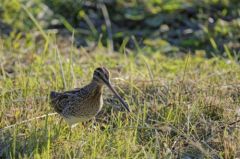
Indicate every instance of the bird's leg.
{"type": "Point", "coordinates": [93, 123]}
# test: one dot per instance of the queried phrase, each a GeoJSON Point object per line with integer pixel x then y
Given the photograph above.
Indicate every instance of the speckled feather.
{"type": "Point", "coordinates": [84, 103]}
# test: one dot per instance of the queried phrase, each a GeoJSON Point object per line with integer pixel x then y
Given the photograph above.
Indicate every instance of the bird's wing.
{"type": "Point", "coordinates": [66, 100]}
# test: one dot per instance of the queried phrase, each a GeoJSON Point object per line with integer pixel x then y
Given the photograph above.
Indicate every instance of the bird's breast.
{"type": "Point", "coordinates": [95, 105]}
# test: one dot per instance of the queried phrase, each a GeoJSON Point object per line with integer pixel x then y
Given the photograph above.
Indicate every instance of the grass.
{"type": "Point", "coordinates": [182, 25]}
{"type": "Point", "coordinates": [181, 106]}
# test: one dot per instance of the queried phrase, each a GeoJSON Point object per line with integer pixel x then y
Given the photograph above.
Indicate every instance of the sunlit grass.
{"type": "Point", "coordinates": [181, 106]}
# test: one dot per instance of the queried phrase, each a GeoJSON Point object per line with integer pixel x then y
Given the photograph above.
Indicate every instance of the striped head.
{"type": "Point", "coordinates": [102, 76]}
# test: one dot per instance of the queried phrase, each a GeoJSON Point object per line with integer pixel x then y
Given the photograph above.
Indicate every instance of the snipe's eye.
{"type": "Point", "coordinates": [98, 73]}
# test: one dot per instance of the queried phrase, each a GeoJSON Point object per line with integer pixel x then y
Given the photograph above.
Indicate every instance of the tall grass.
{"type": "Point", "coordinates": [180, 106]}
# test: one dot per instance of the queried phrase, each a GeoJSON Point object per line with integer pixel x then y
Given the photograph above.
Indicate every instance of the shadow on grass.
{"type": "Point", "coordinates": [27, 140]}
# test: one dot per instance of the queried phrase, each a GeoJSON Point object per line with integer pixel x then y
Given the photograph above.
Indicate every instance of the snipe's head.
{"type": "Point", "coordinates": [101, 76]}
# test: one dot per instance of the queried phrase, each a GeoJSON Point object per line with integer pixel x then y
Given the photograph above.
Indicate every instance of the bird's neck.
{"type": "Point", "coordinates": [96, 86]}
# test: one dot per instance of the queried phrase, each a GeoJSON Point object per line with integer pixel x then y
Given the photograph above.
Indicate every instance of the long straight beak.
{"type": "Point", "coordinates": [117, 95]}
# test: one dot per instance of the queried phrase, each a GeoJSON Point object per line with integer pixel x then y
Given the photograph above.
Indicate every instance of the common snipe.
{"type": "Point", "coordinates": [84, 103]}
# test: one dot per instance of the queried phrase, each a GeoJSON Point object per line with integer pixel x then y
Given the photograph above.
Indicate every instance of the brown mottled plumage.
{"type": "Point", "coordinates": [84, 103]}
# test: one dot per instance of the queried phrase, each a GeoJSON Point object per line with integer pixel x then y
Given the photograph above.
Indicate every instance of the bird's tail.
{"type": "Point", "coordinates": [54, 99]}
{"type": "Point", "coordinates": [53, 95]}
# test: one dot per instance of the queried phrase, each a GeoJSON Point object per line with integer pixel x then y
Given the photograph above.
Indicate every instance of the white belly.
{"type": "Point", "coordinates": [71, 120]}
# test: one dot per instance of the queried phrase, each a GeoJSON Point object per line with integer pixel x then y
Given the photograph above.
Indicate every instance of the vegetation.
{"type": "Point", "coordinates": [175, 62]}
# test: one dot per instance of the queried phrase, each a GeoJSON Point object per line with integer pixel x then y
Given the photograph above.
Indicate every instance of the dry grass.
{"type": "Point", "coordinates": [181, 107]}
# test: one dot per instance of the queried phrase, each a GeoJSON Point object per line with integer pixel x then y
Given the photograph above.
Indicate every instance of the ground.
{"type": "Point", "coordinates": [183, 105]}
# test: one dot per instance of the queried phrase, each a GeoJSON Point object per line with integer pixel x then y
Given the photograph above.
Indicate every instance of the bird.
{"type": "Point", "coordinates": [83, 104]}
